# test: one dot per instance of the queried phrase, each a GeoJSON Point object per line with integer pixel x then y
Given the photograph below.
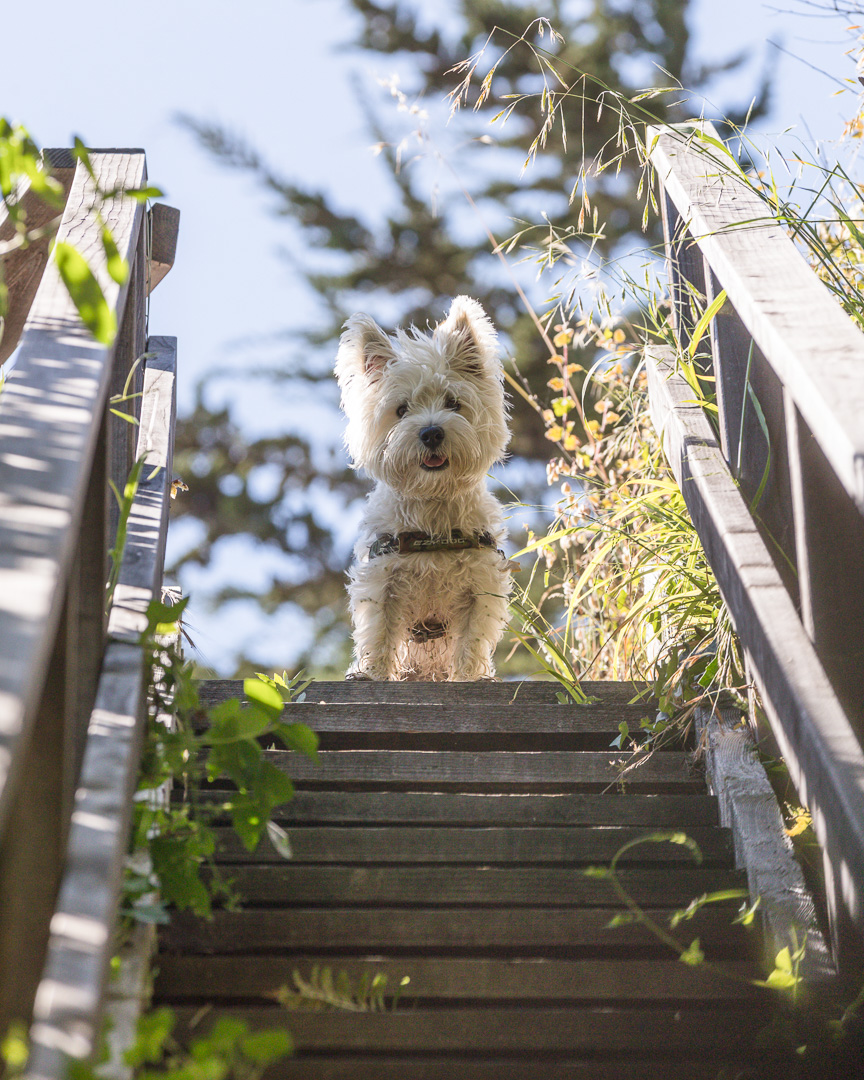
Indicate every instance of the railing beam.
{"type": "Point", "coordinates": [821, 749]}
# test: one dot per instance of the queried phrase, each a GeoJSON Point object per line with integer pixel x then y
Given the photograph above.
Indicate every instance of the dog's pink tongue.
{"type": "Point", "coordinates": [434, 460]}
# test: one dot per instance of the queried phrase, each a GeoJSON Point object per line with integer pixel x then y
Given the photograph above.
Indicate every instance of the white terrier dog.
{"type": "Point", "coordinates": [426, 420]}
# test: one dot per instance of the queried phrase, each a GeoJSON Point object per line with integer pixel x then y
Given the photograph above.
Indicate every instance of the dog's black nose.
{"type": "Point", "coordinates": [432, 436]}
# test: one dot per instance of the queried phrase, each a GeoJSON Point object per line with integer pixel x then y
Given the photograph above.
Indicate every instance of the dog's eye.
{"type": "Point", "coordinates": [450, 402]}
{"type": "Point", "coordinates": [403, 408]}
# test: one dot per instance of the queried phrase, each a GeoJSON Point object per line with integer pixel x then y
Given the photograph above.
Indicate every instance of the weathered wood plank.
{"type": "Point", "coordinates": [815, 349]}
{"type": "Point", "coordinates": [459, 719]}
{"type": "Point", "coordinates": [23, 269]}
{"type": "Point", "coordinates": [50, 414]}
{"type": "Point", "coordinates": [69, 997]}
{"type": "Point", "coordinates": [824, 756]}
{"type": "Point", "coordinates": [164, 225]}
{"type": "Point", "coordinates": [220, 978]}
{"type": "Point", "coordinates": [126, 382]}
{"type": "Point", "coordinates": [829, 533]}
{"type": "Point", "coordinates": [144, 555]}
{"type": "Point", "coordinates": [491, 808]}
{"type": "Point", "coordinates": [491, 1067]}
{"type": "Point", "coordinates": [353, 691]}
{"type": "Point", "coordinates": [483, 769]}
{"type": "Point", "coordinates": [662, 1032]}
{"type": "Point", "coordinates": [749, 807]}
{"type": "Point", "coordinates": [68, 1002]}
{"type": "Point", "coordinates": [311, 844]}
{"type": "Point", "coordinates": [530, 931]}
{"type": "Point", "coordinates": [432, 886]}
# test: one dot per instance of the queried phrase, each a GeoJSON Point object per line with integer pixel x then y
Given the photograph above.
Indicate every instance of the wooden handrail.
{"type": "Point", "coordinates": [813, 347]}
{"type": "Point", "coordinates": [778, 496]}
{"type": "Point", "coordinates": [51, 412]}
{"type": "Point", "coordinates": [69, 1000]}
{"type": "Point", "coordinates": [60, 446]}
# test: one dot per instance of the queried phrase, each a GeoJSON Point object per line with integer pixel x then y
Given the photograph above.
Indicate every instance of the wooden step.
{"type": "Point", "coordinates": [687, 812]}
{"type": "Point", "coordinates": [461, 719]}
{"type": "Point", "coordinates": [522, 692]}
{"type": "Point", "coordinates": [308, 1066]}
{"type": "Point", "coordinates": [499, 770]}
{"type": "Point", "coordinates": [451, 930]}
{"type": "Point", "coordinates": [227, 978]}
{"type": "Point", "coordinates": [666, 1033]}
{"type": "Point", "coordinates": [530, 845]}
{"type": "Point", "coordinates": [434, 886]}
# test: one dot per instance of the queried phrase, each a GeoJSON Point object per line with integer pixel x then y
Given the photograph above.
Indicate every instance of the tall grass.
{"type": "Point", "coordinates": [620, 586]}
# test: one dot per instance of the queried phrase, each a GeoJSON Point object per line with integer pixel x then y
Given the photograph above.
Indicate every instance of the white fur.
{"type": "Point", "coordinates": [465, 590]}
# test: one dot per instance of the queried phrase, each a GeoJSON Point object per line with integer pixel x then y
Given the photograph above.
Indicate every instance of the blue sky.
{"type": "Point", "coordinates": [270, 70]}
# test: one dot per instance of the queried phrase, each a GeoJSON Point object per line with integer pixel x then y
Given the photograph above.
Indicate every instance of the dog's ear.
{"type": "Point", "coordinates": [364, 349]}
{"type": "Point", "coordinates": [469, 339]}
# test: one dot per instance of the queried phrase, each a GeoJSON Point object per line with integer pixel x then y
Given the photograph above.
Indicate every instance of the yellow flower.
{"type": "Point", "coordinates": [618, 336]}
{"type": "Point", "coordinates": [554, 433]}
{"type": "Point", "coordinates": [612, 417]}
{"type": "Point", "coordinates": [548, 416]}
{"type": "Point", "coordinates": [563, 338]}
{"type": "Point", "coordinates": [556, 384]}
{"type": "Point", "coordinates": [555, 358]}
{"type": "Point", "coordinates": [571, 443]}
{"type": "Point", "coordinates": [571, 369]}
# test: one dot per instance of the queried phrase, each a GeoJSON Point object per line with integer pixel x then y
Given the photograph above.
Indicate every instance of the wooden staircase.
{"type": "Point", "coordinates": [443, 837]}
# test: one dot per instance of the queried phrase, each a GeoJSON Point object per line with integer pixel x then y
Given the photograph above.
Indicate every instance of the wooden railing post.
{"type": "Point", "coordinates": [829, 536]}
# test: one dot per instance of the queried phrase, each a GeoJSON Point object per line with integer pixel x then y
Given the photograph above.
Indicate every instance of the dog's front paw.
{"type": "Point", "coordinates": [360, 676]}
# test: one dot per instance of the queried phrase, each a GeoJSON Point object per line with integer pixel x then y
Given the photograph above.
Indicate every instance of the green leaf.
{"type": "Point", "coordinates": [705, 321]}
{"type": "Point", "coordinates": [154, 1030]}
{"type": "Point", "coordinates": [709, 673]}
{"type": "Point", "coordinates": [779, 980]}
{"type": "Point", "coordinates": [268, 697]}
{"type": "Point", "coordinates": [236, 724]}
{"type": "Point", "coordinates": [624, 918]}
{"type": "Point", "coordinates": [82, 154]}
{"type": "Point", "coordinates": [693, 955]}
{"type": "Point", "coordinates": [265, 1047]}
{"type": "Point", "coordinates": [145, 193]}
{"type": "Point", "coordinates": [248, 821]}
{"type": "Point", "coordinates": [86, 293]}
{"type": "Point", "coordinates": [783, 960]}
{"type": "Point", "coordinates": [118, 268]}
{"type": "Point", "coordinates": [272, 785]}
{"type": "Point", "coordinates": [224, 1036]}
{"type": "Point", "coordinates": [298, 737]}
{"type": "Point", "coordinates": [602, 873]}
{"type": "Point", "coordinates": [125, 416]}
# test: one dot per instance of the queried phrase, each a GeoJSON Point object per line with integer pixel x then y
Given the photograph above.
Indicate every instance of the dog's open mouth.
{"type": "Point", "coordinates": [434, 461]}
